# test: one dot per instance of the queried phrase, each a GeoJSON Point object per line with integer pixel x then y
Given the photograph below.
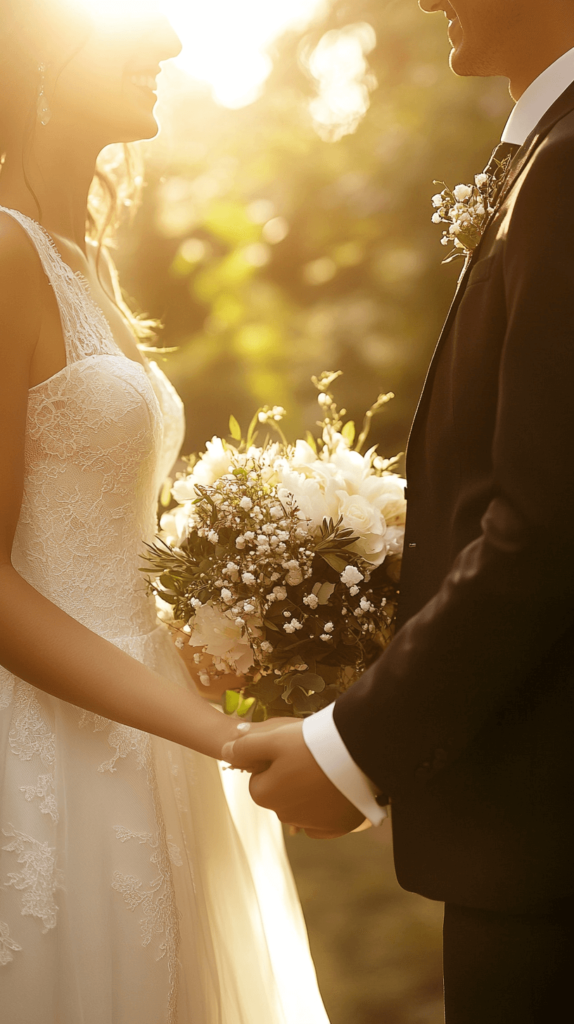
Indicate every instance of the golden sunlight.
{"type": "Point", "coordinates": [224, 41]}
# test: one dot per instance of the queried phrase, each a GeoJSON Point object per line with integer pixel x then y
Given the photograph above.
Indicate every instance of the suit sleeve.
{"type": "Point", "coordinates": [509, 597]}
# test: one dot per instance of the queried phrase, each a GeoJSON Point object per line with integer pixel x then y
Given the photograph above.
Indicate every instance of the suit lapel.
{"type": "Point", "coordinates": [563, 106]}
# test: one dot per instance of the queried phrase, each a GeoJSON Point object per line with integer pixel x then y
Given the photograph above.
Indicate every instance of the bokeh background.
{"type": "Point", "coordinates": [285, 229]}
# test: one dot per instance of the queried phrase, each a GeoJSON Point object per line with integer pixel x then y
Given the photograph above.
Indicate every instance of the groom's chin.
{"type": "Point", "coordinates": [467, 64]}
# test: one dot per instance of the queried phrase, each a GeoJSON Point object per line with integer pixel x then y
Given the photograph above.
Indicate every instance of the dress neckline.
{"type": "Point", "coordinates": [87, 291]}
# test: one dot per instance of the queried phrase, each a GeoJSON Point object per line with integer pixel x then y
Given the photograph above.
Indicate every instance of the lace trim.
{"type": "Point", "coordinates": [7, 945]}
{"type": "Point", "coordinates": [39, 878]}
{"type": "Point", "coordinates": [45, 789]}
{"type": "Point", "coordinates": [123, 739]}
{"type": "Point", "coordinates": [29, 734]}
{"type": "Point", "coordinates": [85, 328]}
{"type": "Point", "coordinates": [156, 900]}
{"type": "Point", "coordinates": [6, 689]}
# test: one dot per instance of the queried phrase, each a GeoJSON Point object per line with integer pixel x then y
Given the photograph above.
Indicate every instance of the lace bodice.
{"type": "Point", "coordinates": [102, 434]}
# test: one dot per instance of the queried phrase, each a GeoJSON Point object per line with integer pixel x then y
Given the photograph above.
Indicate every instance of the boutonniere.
{"type": "Point", "coordinates": [467, 209]}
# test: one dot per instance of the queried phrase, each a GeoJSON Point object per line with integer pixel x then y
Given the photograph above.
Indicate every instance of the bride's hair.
{"type": "Point", "coordinates": [117, 186]}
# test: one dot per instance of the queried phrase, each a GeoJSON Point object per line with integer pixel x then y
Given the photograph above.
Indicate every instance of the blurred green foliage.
{"type": "Point", "coordinates": [377, 949]}
{"type": "Point", "coordinates": [271, 254]}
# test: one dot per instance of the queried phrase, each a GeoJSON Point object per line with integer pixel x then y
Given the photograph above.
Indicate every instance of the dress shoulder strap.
{"type": "Point", "coordinates": [85, 329]}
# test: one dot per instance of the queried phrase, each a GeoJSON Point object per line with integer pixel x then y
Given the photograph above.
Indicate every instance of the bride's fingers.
{"type": "Point", "coordinates": [250, 749]}
{"type": "Point", "coordinates": [271, 725]}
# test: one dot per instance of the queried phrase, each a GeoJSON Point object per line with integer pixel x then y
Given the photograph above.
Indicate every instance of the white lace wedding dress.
{"type": "Point", "coordinates": [133, 890]}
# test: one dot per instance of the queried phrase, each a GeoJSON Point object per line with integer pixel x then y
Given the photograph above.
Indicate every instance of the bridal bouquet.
{"type": "Point", "coordinates": [281, 561]}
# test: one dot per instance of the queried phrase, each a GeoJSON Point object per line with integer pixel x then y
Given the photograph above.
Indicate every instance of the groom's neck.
{"type": "Point", "coordinates": [538, 52]}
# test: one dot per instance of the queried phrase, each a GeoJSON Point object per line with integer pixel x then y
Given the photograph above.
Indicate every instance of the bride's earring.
{"type": "Point", "coordinates": [44, 112]}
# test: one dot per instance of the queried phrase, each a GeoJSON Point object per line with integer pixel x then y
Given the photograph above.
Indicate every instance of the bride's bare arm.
{"type": "Point", "coordinates": [38, 641]}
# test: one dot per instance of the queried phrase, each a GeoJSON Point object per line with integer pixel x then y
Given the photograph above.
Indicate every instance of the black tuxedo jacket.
{"type": "Point", "coordinates": [467, 720]}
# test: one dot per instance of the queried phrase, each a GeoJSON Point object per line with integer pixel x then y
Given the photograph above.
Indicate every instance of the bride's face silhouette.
{"type": "Point", "coordinates": [100, 71]}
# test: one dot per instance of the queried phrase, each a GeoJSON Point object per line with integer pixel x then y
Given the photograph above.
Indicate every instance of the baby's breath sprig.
{"type": "Point", "coordinates": [467, 209]}
{"type": "Point", "coordinates": [289, 589]}
{"type": "Point", "coordinates": [333, 427]}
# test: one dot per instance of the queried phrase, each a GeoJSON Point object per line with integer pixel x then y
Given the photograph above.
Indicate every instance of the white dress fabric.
{"type": "Point", "coordinates": [133, 890]}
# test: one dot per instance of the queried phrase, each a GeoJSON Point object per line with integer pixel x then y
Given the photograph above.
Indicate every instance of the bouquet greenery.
{"type": "Point", "coordinates": [282, 561]}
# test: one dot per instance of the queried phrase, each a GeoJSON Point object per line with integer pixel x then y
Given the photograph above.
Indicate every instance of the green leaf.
{"type": "Point", "coordinates": [231, 701]}
{"type": "Point", "coordinates": [260, 714]}
{"type": "Point", "coordinates": [289, 682]}
{"type": "Point", "coordinates": [348, 432]}
{"type": "Point", "coordinates": [245, 706]}
{"type": "Point", "coordinates": [311, 681]}
{"type": "Point", "coordinates": [252, 432]}
{"type": "Point", "coordinates": [234, 429]}
{"type": "Point", "coordinates": [335, 561]}
{"type": "Point", "coordinates": [311, 441]}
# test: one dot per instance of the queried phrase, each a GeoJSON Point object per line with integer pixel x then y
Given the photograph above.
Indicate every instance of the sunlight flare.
{"type": "Point", "coordinates": [224, 43]}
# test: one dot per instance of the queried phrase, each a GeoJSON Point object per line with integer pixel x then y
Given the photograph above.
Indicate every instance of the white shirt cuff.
{"type": "Point", "coordinates": [324, 741]}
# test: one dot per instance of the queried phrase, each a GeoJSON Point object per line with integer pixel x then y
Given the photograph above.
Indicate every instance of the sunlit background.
{"type": "Point", "coordinates": [286, 229]}
{"type": "Point", "coordinates": [225, 42]}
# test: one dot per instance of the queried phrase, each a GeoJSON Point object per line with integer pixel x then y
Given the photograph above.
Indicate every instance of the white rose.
{"type": "Point", "coordinates": [365, 520]}
{"type": "Point", "coordinates": [359, 514]}
{"type": "Point", "coordinates": [220, 636]}
{"type": "Point", "coordinates": [352, 468]}
{"type": "Point", "coordinates": [213, 464]}
{"type": "Point", "coordinates": [184, 489]}
{"type": "Point", "coordinates": [176, 524]}
{"type": "Point", "coordinates": [387, 493]}
{"type": "Point", "coordinates": [308, 494]}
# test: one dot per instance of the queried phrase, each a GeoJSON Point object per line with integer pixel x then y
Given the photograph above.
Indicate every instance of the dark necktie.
{"type": "Point", "coordinates": [499, 163]}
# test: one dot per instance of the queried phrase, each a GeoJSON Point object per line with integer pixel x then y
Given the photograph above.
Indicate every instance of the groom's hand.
{"type": "Point", "coordinates": [287, 779]}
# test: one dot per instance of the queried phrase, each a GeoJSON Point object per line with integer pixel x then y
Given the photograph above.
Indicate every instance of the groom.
{"type": "Point", "coordinates": [466, 723]}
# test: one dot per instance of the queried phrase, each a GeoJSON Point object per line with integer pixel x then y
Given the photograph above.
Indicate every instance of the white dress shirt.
{"type": "Point", "coordinates": [320, 732]}
{"type": "Point", "coordinates": [538, 98]}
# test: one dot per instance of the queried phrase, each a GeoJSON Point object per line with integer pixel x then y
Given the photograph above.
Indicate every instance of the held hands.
{"type": "Point", "coordinates": [287, 779]}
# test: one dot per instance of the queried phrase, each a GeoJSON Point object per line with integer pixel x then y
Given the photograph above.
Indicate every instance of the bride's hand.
{"type": "Point", "coordinates": [217, 684]}
{"type": "Point", "coordinates": [271, 724]}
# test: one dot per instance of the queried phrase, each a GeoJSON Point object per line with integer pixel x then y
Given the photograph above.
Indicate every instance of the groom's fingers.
{"type": "Point", "coordinates": [313, 833]}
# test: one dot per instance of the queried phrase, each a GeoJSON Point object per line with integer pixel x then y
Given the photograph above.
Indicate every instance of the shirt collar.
{"type": "Point", "coordinates": [538, 98]}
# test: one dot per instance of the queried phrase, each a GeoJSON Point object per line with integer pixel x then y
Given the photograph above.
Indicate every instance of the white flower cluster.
{"type": "Point", "coordinates": [341, 484]}
{"type": "Point", "coordinates": [275, 414]}
{"type": "Point", "coordinates": [465, 210]}
{"type": "Point", "coordinates": [272, 562]}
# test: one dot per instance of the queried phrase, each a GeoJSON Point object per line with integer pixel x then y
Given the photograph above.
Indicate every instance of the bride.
{"type": "Point", "coordinates": [133, 890]}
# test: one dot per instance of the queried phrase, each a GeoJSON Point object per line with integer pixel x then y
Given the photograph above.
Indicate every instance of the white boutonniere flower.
{"type": "Point", "coordinates": [466, 210]}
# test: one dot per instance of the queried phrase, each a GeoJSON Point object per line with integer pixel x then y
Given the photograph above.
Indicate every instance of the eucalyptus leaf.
{"type": "Point", "coordinates": [349, 432]}
{"type": "Point", "coordinates": [335, 561]}
{"type": "Point", "coordinates": [234, 429]}
{"type": "Point", "coordinates": [311, 441]}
